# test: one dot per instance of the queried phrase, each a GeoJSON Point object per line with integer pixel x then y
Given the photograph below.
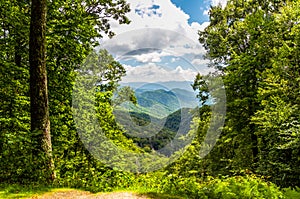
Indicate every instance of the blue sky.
{"type": "Point", "coordinates": [161, 42]}
{"type": "Point", "coordinates": [194, 8]}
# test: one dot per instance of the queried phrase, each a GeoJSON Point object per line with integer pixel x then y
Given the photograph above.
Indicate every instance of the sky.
{"type": "Point", "coordinates": [161, 42]}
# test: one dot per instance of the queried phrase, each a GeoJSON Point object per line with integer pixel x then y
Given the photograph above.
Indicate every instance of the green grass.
{"type": "Point", "coordinates": [154, 195]}
{"type": "Point", "coordinates": [15, 191]}
{"type": "Point", "coordinates": [18, 191]}
{"type": "Point", "coordinates": [292, 194]}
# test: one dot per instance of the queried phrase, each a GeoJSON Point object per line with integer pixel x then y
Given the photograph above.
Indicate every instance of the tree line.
{"type": "Point", "coordinates": [254, 46]}
{"type": "Point", "coordinates": [42, 44]}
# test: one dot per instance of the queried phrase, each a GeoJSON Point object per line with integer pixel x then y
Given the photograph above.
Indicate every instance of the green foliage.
{"type": "Point", "coordinates": [166, 133]}
{"type": "Point", "coordinates": [237, 31]}
{"type": "Point", "coordinates": [93, 99]}
{"type": "Point", "coordinates": [225, 187]}
{"type": "Point", "coordinates": [253, 44]}
{"type": "Point", "coordinates": [291, 193]}
{"type": "Point", "coordinates": [240, 187]}
{"type": "Point", "coordinates": [21, 191]}
{"type": "Point", "coordinates": [157, 103]}
{"type": "Point", "coordinates": [234, 187]}
{"type": "Point", "coordinates": [124, 94]}
{"type": "Point", "coordinates": [201, 87]}
{"type": "Point", "coordinates": [190, 162]}
{"type": "Point", "coordinates": [278, 120]}
{"type": "Point", "coordinates": [15, 142]}
{"type": "Point", "coordinates": [71, 31]}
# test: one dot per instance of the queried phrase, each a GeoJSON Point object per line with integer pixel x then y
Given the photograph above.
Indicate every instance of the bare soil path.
{"type": "Point", "coordinates": [74, 194]}
{"type": "Point", "coordinates": [78, 194]}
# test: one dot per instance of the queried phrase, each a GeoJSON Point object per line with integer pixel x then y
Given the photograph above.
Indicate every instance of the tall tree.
{"type": "Point", "coordinates": [256, 46]}
{"type": "Point", "coordinates": [39, 109]}
{"type": "Point", "coordinates": [236, 45]}
{"type": "Point", "coordinates": [14, 99]}
{"type": "Point", "coordinates": [73, 27]}
{"type": "Point", "coordinates": [279, 119]}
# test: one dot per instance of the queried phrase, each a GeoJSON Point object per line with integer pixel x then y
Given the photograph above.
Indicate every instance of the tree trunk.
{"type": "Point", "coordinates": [40, 123]}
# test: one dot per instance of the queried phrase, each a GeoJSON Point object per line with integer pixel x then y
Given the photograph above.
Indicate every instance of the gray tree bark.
{"type": "Point", "coordinates": [40, 122]}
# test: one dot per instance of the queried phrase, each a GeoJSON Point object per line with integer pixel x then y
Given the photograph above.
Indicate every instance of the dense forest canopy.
{"type": "Point", "coordinates": [257, 55]}
{"type": "Point", "coordinates": [253, 47]}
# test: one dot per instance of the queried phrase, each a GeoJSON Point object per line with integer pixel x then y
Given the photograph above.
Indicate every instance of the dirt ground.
{"type": "Point", "coordinates": [83, 194]}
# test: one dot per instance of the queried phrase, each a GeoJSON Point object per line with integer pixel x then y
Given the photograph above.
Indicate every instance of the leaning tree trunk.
{"type": "Point", "coordinates": [43, 165]}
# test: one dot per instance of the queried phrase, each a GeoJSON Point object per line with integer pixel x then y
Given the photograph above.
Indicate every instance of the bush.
{"type": "Point", "coordinates": [226, 188]}
{"type": "Point", "coordinates": [241, 187]}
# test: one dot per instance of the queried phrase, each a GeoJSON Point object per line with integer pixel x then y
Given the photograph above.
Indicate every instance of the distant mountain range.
{"type": "Point", "coordinates": [162, 98]}
{"type": "Point", "coordinates": [160, 103]}
{"type": "Point", "coordinates": [161, 115]}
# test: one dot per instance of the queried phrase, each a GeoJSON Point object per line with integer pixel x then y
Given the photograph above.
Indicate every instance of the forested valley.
{"type": "Point", "coordinates": [48, 52]}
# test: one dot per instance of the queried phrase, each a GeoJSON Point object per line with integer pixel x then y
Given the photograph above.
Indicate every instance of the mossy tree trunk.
{"type": "Point", "coordinates": [43, 165]}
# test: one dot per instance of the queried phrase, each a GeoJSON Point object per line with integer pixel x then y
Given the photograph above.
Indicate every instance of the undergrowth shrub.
{"type": "Point", "coordinates": [244, 187]}
{"type": "Point", "coordinates": [240, 187]}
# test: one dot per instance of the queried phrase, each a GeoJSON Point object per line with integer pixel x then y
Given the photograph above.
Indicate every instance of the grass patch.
{"type": "Point", "coordinates": [292, 194]}
{"type": "Point", "coordinates": [30, 191]}
{"type": "Point", "coordinates": [154, 195]}
{"type": "Point", "coordinates": [20, 191]}
{"type": "Point", "coordinates": [150, 193]}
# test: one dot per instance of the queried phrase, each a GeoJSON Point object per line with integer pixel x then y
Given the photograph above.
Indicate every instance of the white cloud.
{"type": "Point", "coordinates": [174, 59]}
{"type": "Point", "coordinates": [166, 16]}
{"type": "Point", "coordinates": [196, 26]}
{"type": "Point", "coordinates": [217, 2]}
{"type": "Point", "coordinates": [162, 14]}
{"type": "Point", "coordinates": [198, 62]}
{"type": "Point", "coordinates": [138, 41]}
{"type": "Point", "coordinates": [206, 12]}
{"type": "Point", "coordinates": [161, 26]}
{"type": "Point", "coordinates": [150, 57]}
{"type": "Point", "coordinates": [150, 10]}
{"type": "Point", "coordinates": [154, 73]}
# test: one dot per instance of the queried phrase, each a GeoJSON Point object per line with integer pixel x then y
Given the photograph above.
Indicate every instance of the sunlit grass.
{"type": "Point", "coordinates": [292, 194]}
{"type": "Point", "coordinates": [18, 191]}
{"type": "Point", "coordinates": [154, 195]}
